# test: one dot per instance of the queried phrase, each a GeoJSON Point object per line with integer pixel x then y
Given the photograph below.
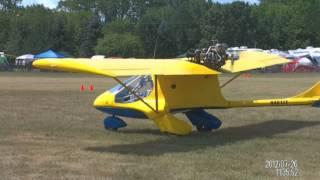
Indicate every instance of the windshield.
{"type": "Point", "coordinates": [141, 85]}
{"type": "Point", "coordinates": [118, 87]}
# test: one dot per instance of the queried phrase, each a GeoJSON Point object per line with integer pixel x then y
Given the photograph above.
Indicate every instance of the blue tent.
{"type": "Point", "coordinates": [49, 54]}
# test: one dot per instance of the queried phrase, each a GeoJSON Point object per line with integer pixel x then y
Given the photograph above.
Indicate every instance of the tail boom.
{"type": "Point", "coordinates": [275, 102]}
{"type": "Point", "coordinates": [308, 97]}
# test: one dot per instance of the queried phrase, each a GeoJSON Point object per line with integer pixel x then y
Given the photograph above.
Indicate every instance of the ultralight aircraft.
{"type": "Point", "coordinates": [159, 88]}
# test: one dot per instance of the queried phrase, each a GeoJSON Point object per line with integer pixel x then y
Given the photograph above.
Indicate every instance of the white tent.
{"type": "Point", "coordinates": [24, 60]}
{"type": "Point", "coordinates": [95, 57]}
{"type": "Point", "coordinates": [26, 56]}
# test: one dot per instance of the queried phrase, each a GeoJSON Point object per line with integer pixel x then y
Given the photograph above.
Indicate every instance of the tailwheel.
{"type": "Point", "coordinates": [113, 123]}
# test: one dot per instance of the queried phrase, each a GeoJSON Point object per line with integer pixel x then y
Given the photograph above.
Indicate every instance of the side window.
{"type": "Point", "coordinates": [140, 85]}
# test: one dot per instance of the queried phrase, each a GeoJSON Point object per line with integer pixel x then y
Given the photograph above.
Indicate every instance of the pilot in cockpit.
{"type": "Point", "coordinates": [141, 86]}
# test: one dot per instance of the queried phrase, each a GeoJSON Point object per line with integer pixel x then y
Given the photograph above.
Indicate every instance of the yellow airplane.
{"type": "Point", "coordinates": [159, 88]}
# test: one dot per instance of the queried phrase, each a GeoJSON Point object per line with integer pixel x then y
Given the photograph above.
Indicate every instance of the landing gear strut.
{"type": "Point", "coordinates": [113, 123]}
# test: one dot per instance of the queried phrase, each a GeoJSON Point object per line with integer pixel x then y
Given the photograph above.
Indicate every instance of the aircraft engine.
{"type": "Point", "coordinates": [213, 57]}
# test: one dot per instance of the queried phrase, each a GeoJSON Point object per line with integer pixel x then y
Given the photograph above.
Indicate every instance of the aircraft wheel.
{"type": "Point", "coordinates": [203, 129]}
{"type": "Point", "coordinates": [113, 123]}
{"type": "Point", "coordinates": [111, 129]}
{"type": "Point", "coordinates": [216, 124]}
{"type": "Point", "coordinates": [203, 121]}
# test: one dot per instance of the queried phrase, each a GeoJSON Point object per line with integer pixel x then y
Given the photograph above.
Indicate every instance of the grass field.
{"type": "Point", "coordinates": [49, 130]}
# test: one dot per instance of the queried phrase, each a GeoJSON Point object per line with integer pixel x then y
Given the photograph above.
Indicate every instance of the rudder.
{"type": "Point", "coordinates": [313, 92]}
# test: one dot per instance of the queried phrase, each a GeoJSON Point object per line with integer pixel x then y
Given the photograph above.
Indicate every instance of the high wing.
{"type": "Point", "coordinates": [249, 60]}
{"type": "Point", "coordinates": [125, 67]}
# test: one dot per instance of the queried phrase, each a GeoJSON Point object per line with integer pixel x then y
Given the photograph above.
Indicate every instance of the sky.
{"type": "Point", "coordinates": [54, 3]}
{"type": "Point", "coordinates": [47, 3]}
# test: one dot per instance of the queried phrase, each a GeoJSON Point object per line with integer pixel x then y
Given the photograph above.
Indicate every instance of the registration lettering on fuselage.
{"type": "Point", "coordinates": [279, 102]}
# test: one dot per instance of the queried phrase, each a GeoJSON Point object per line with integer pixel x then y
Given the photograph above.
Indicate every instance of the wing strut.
{"type": "Point", "coordinates": [156, 91]}
{"type": "Point", "coordinates": [135, 94]}
{"type": "Point", "coordinates": [229, 81]}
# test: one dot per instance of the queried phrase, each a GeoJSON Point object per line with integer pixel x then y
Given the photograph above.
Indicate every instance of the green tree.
{"type": "Point", "coordinates": [170, 30]}
{"type": "Point", "coordinates": [120, 40]}
{"type": "Point", "coordinates": [273, 24]}
{"type": "Point", "coordinates": [5, 30]}
{"type": "Point", "coordinates": [160, 28]}
{"type": "Point", "coordinates": [154, 30]}
{"type": "Point", "coordinates": [9, 4]}
{"type": "Point", "coordinates": [122, 9]}
{"type": "Point", "coordinates": [36, 29]}
{"type": "Point", "coordinates": [89, 37]}
{"type": "Point", "coordinates": [286, 24]}
{"type": "Point", "coordinates": [233, 24]}
{"type": "Point", "coordinates": [75, 26]}
{"type": "Point", "coordinates": [77, 5]}
{"type": "Point", "coordinates": [120, 45]}
{"type": "Point", "coordinates": [304, 24]}
{"type": "Point", "coordinates": [31, 30]}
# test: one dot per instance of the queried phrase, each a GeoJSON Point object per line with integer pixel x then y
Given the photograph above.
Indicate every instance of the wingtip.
{"type": "Point", "coordinates": [38, 63]}
{"type": "Point", "coordinates": [43, 63]}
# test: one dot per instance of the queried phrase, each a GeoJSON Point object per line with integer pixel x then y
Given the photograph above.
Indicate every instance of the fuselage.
{"type": "Point", "coordinates": [150, 96]}
{"type": "Point", "coordinates": [173, 94]}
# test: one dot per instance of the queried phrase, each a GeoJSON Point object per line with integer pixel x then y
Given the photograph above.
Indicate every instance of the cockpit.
{"type": "Point", "coordinates": [140, 85]}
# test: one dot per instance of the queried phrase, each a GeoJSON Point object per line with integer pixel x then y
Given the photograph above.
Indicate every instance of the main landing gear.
{"type": "Point", "coordinates": [113, 123]}
{"type": "Point", "coordinates": [203, 120]}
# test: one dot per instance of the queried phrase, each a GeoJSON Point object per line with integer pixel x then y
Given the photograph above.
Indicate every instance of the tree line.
{"type": "Point", "coordinates": [155, 28]}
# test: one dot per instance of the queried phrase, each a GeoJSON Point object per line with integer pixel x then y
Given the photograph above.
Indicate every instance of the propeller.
{"type": "Point", "coordinates": [233, 58]}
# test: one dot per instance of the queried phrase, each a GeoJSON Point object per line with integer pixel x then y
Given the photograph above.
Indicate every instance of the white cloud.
{"type": "Point", "coordinates": [46, 3]}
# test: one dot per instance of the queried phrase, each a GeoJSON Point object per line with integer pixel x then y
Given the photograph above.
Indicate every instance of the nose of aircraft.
{"type": "Point", "coordinates": [105, 99]}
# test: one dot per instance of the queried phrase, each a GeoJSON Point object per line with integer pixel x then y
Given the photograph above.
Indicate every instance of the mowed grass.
{"type": "Point", "coordinates": [49, 130]}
